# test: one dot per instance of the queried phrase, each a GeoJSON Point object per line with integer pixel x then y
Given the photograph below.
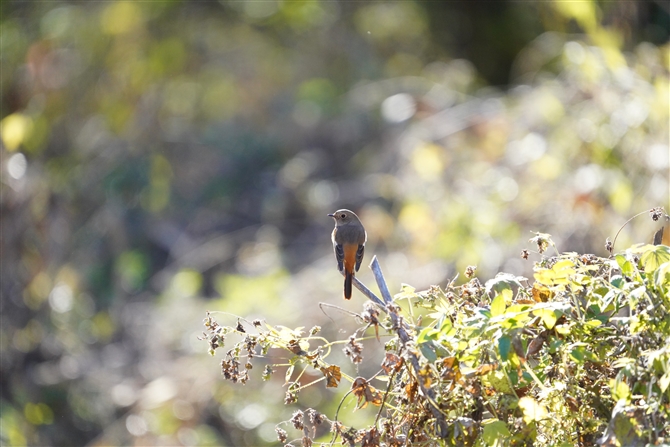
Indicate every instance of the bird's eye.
{"type": "Point", "coordinates": [343, 216]}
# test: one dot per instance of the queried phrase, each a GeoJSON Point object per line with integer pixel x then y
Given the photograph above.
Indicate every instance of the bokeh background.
{"type": "Point", "coordinates": [160, 159]}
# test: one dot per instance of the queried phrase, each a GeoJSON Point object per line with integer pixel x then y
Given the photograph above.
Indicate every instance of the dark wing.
{"type": "Point", "coordinates": [359, 256]}
{"type": "Point", "coordinates": [339, 255]}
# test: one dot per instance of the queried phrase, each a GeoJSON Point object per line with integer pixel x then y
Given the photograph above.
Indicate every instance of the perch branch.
{"type": "Point", "coordinates": [401, 328]}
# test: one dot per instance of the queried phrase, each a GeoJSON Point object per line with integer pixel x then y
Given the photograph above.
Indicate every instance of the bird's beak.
{"type": "Point", "coordinates": [331, 215]}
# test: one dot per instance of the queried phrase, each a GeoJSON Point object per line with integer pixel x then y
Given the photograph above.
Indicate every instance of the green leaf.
{"type": "Point", "coordinates": [654, 257]}
{"type": "Point", "coordinates": [620, 390]}
{"type": "Point", "coordinates": [623, 362]}
{"type": "Point", "coordinates": [627, 268]}
{"type": "Point", "coordinates": [662, 276]}
{"type": "Point", "coordinates": [504, 345]}
{"type": "Point", "coordinates": [495, 433]}
{"type": "Point", "coordinates": [503, 282]}
{"type": "Point", "coordinates": [577, 355]}
{"type": "Point", "coordinates": [548, 316]}
{"type": "Point", "coordinates": [499, 381]}
{"type": "Point", "coordinates": [664, 382]}
{"type": "Point", "coordinates": [607, 303]}
{"type": "Point", "coordinates": [564, 329]}
{"type": "Point", "coordinates": [515, 316]}
{"type": "Point", "coordinates": [427, 334]}
{"type": "Point", "coordinates": [406, 292]}
{"type": "Point", "coordinates": [580, 354]}
{"type": "Point", "coordinates": [498, 305]}
{"type": "Point", "coordinates": [519, 308]}
{"type": "Point", "coordinates": [636, 324]}
{"type": "Point", "coordinates": [446, 326]}
{"type": "Point", "coordinates": [555, 345]}
{"type": "Point", "coordinates": [428, 351]}
{"type": "Point", "coordinates": [545, 276]}
{"type": "Point", "coordinates": [558, 274]}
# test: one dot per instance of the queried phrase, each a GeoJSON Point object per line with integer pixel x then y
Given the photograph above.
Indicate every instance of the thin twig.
{"type": "Point", "coordinates": [622, 227]}
{"type": "Point", "coordinates": [388, 390]}
{"type": "Point", "coordinates": [340, 308]}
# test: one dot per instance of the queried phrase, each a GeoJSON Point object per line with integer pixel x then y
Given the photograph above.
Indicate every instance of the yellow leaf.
{"type": "Point", "coordinates": [498, 305]}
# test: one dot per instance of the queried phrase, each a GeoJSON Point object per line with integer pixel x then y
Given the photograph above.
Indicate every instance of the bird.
{"type": "Point", "coordinates": [348, 238]}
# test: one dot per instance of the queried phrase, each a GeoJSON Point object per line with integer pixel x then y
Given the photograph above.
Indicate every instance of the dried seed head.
{"type": "Point", "coordinates": [239, 327]}
{"type": "Point", "coordinates": [656, 213]}
{"type": "Point", "coordinates": [354, 350]}
{"type": "Point", "coordinates": [281, 435]}
{"type": "Point", "coordinates": [297, 420]}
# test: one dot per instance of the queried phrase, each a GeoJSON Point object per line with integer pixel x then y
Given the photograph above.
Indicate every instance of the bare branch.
{"type": "Point", "coordinates": [381, 282]}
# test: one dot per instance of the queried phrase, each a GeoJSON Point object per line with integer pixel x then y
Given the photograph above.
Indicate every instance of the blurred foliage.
{"type": "Point", "coordinates": [162, 158]}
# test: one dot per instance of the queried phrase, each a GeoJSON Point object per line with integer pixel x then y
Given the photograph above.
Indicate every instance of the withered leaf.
{"type": "Point", "coordinates": [391, 363]}
{"type": "Point", "coordinates": [535, 345]}
{"type": "Point", "coordinates": [410, 389]}
{"type": "Point", "coordinates": [451, 369]}
{"type": "Point", "coordinates": [541, 293]}
{"type": "Point", "coordinates": [333, 376]}
{"type": "Point", "coordinates": [370, 438]}
{"type": "Point", "coordinates": [473, 387]}
{"type": "Point", "coordinates": [522, 391]}
{"type": "Point", "coordinates": [365, 393]}
{"type": "Point", "coordinates": [294, 347]}
{"type": "Point", "coordinates": [449, 362]}
{"type": "Point", "coordinates": [427, 375]}
{"type": "Point", "coordinates": [573, 404]}
{"type": "Point", "coordinates": [485, 368]}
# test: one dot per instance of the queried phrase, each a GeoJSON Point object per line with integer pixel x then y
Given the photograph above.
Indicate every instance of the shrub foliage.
{"type": "Point", "coordinates": [580, 355]}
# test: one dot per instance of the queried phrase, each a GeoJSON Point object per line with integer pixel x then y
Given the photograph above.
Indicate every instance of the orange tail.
{"type": "Point", "coordinates": [348, 276]}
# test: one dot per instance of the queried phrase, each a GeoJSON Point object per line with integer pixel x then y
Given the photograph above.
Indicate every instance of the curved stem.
{"type": "Point", "coordinates": [622, 227]}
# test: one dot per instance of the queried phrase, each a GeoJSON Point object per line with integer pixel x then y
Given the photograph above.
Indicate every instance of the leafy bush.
{"type": "Point", "coordinates": [578, 356]}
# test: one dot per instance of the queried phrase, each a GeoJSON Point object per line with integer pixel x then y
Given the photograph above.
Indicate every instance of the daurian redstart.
{"type": "Point", "coordinates": [349, 238]}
